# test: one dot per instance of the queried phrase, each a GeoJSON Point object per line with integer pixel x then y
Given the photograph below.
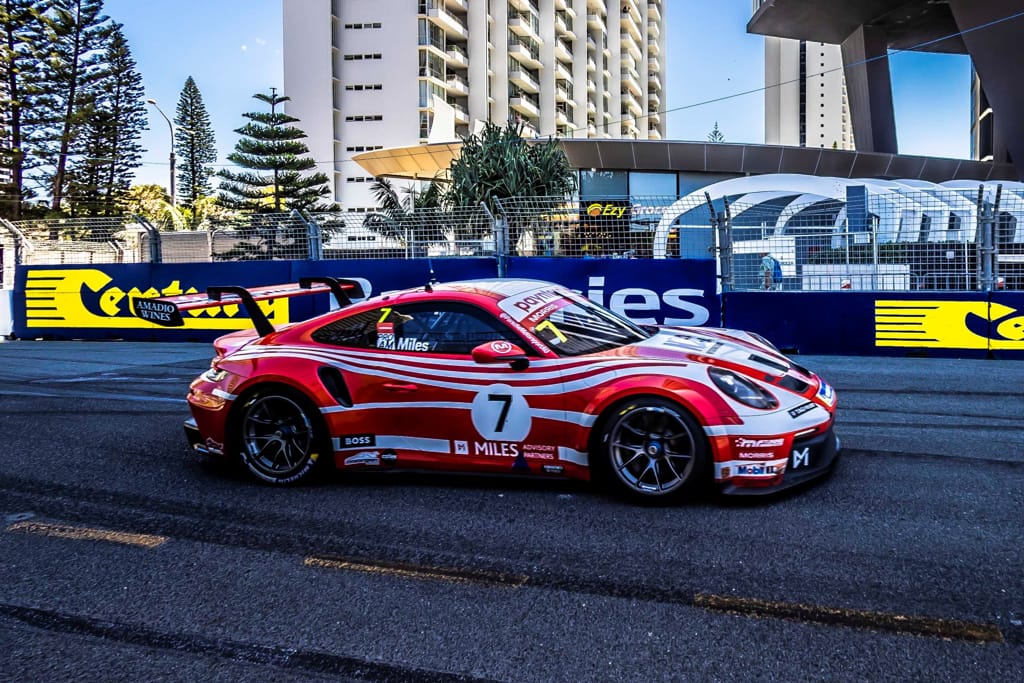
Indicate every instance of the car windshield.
{"type": "Point", "coordinates": [578, 326]}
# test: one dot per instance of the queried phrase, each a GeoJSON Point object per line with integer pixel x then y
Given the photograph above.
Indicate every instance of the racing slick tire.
{"type": "Point", "coordinates": [280, 437]}
{"type": "Point", "coordinates": [652, 450]}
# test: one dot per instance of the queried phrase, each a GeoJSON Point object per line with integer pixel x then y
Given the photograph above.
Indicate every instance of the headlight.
{"type": "Point", "coordinates": [742, 389]}
{"type": "Point", "coordinates": [214, 375]}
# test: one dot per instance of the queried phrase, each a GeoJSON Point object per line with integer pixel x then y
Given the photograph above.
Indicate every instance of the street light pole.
{"type": "Point", "coordinates": [171, 127]}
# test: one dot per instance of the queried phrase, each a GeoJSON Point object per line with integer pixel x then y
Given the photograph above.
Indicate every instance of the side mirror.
{"type": "Point", "coordinates": [491, 353]}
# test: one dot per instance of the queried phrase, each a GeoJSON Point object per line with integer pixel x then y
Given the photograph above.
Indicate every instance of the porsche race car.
{"type": "Point", "coordinates": [503, 376]}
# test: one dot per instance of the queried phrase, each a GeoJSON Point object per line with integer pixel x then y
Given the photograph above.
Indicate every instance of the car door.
{"type": "Point", "coordinates": [419, 400]}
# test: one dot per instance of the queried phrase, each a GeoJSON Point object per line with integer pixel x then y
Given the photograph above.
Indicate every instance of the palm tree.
{"type": "Point", "coordinates": [417, 221]}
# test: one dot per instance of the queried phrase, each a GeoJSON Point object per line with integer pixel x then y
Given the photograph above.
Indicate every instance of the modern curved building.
{"type": "Point", "coordinates": [988, 31]}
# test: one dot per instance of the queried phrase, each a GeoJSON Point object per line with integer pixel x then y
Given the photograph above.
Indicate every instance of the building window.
{"type": "Point", "coordinates": [363, 148]}
{"type": "Point", "coordinates": [365, 117]}
{"type": "Point", "coordinates": [357, 57]}
{"type": "Point", "coordinates": [375, 24]}
{"type": "Point", "coordinates": [361, 86]}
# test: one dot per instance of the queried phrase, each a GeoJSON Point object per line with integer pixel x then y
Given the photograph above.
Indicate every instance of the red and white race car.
{"type": "Point", "coordinates": [515, 376]}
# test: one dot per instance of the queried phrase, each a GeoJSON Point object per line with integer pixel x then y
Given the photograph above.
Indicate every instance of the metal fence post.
{"type": "Point", "coordinates": [315, 233]}
{"type": "Point", "coordinates": [155, 247]}
{"type": "Point", "coordinates": [20, 242]}
{"type": "Point", "coordinates": [995, 237]}
{"type": "Point", "coordinates": [499, 226]}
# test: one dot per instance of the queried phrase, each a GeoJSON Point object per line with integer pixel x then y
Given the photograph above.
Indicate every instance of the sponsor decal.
{"type": "Point", "coordinates": [89, 298]}
{"type": "Point", "coordinates": [364, 458]}
{"type": "Point", "coordinates": [501, 347]}
{"type": "Point", "coordinates": [539, 451]}
{"type": "Point", "coordinates": [413, 344]}
{"type": "Point", "coordinates": [606, 210]}
{"type": "Point", "coordinates": [754, 455]}
{"type": "Point", "coordinates": [163, 312]}
{"type": "Point", "coordinates": [802, 458]}
{"type": "Point", "coordinates": [742, 442]}
{"type": "Point", "coordinates": [553, 469]}
{"type": "Point", "coordinates": [500, 449]}
{"type": "Point", "coordinates": [634, 302]}
{"type": "Point", "coordinates": [461, 448]}
{"type": "Point", "coordinates": [948, 325]}
{"type": "Point", "coordinates": [522, 306]}
{"type": "Point", "coordinates": [801, 409]}
{"type": "Point", "coordinates": [215, 447]}
{"type": "Point", "coordinates": [534, 340]}
{"type": "Point", "coordinates": [756, 469]}
{"type": "Point", "coordinates": [357, 440]}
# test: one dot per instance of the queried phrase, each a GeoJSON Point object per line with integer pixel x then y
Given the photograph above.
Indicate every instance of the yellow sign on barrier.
{"type": "Point", "coordinates": [88, 298]}
{"type": "Point", "coordinates": [948, 325]}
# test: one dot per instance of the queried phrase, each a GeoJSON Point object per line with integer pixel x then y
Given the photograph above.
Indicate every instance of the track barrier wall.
{"type": "Point", "coordinates": [93, 302]}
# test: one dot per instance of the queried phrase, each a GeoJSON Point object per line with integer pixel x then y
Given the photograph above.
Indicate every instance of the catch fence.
{"type": "Point", "coordinates": [882, 239]}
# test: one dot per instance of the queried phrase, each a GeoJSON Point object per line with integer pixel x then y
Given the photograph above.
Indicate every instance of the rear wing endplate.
{"type": "Point", "coordinates": [167, 310]}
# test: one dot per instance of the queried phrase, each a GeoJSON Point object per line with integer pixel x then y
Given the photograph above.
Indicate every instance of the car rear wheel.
{"type": "Point", "coordinates": [654, 450]}
{"type": "Point", "coordinates": [279, 436]}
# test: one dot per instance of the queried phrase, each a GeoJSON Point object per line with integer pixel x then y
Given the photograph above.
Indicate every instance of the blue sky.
{"type": "Point", "coordinates": [232, 48]}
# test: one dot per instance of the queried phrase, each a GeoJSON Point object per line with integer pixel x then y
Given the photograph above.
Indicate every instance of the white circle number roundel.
{"type": "Point", "coordinates": [500, 413]}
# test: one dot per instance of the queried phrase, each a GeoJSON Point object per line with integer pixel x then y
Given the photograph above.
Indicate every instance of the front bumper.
{"type": "Point", "coordinates": [810, 458]}
{"type": "Point", "coordinates": [204, 447]}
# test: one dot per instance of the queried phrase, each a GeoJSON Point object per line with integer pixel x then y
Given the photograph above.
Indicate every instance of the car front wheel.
{"type": "Point", "coordinates": [653, 449]}
{"type": "Point", "coordinates": [279, 437]}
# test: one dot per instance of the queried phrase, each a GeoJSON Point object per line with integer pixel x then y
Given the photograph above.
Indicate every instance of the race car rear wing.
{"type": "Point", "coordinates": [167, 310]}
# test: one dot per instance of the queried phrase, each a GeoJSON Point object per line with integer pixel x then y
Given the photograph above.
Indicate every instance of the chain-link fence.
{"type": "Point", "coordinates": [888, 237]}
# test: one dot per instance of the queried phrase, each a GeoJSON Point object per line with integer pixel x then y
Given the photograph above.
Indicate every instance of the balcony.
{"type": "Point", "coordinates": [563, 52]}
{"type": "Point", "coordinates": [630, 26]}
{"type": "Point", "coordinates": [438, 15]}
{"type": "Point", "coordinates": [653, 80]}
{"type": "Point", "coordinates": [561, 94]}
{"type": "Point", "coordinates": [632, 104]}
{"type": "Point", "coordinates": [563, 5]}
{"type": "Point", "coordinates": [653, 30]}
{"type": "Point", "coordinates": [525, 25]}
{"type": "Point", "coordinates": [524, 53]}
{"type": "Point", "coordinates": [524, 80]}
{"type": "Point", "coordinates": [525, 103]}
{"type": "Point", "coordinates": [630, 9]}
{"type": "Point", "coordinates": [653, 48]}
{"type": "Point", "coordinates": [653, 12]}
{"type": "Point", "coordinates": [457, 57]}
{"type": "Point", "coordinates": [631, 81]}
{"type": "Point", "coordinates": [654, 99]}
{"type": "Point", "coordinates": [591, 131]}
{"type": "Point", "coordinates": [562, 73]}
{"type": "Point", "coordinates": [562, 117]}
{"type": "Point", "coordinates": [596, 22]}
{"type": "Point", "coordinates": [457, 87]}
{"type": "Point", "coordinates": [564, 27]}
{"type": "Point", "coordinates": [591, 107]}
{"type": "Point", "coordinates": [630, 45]}
{"type": "Point", "coordinates": [525, 5]}
{"type": "Point", "coordinates": [653, 116]}
{"type": "Point", "coordinates": [591, 86]}
{"type": "Point", "coordinates": [591, 66]}
{"type": "Point", "coordinates": [460, 5]}
{"type": "Point", "coordinates": [653, 134]}
{"type": "Point", "coordinates": [654, 64]}
{"type": "Point", "coordinates": [461, 115]}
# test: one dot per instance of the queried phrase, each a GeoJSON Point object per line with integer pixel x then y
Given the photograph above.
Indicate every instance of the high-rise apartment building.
{"type": "Point", "coordinates": [805, 100]}
{"type": "Point", "coordinates": [370, 74]}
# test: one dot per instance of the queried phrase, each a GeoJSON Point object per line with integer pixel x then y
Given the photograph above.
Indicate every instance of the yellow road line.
{"type": "Point", "coordinates": [87, 534]}
{"type": "Point", "coordinates": [418, 572]}
{"type": "Point", "coordinates": [865, 619]}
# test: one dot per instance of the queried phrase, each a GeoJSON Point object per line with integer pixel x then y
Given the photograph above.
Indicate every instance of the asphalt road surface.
{"type": "Point", "coordinates": [123, 558]}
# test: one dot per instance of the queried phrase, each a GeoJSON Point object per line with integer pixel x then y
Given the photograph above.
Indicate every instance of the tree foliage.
{"type": "Point", "coordinates": [418, 220]}
{"type": "Point", "coordinates": [716, 135]}
{"type": "Point", "coordinates": [499, 162]}
{"type": "Point", "coordinates": [20, 37]}
{"type": "Point", "coordinates": [75, 33]}
{"type": "Point", "coordinates": [270, 143]}
{"type": "Point", "coordinates": [195, 145]}
{"type": "Point", "coordinates": [110, 145]}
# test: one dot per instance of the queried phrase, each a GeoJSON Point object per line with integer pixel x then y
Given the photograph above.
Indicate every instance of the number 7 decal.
{"type": "Point", "coordinates": [506, 400]}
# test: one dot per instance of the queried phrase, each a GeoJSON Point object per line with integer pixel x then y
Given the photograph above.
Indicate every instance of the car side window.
{"type": "Point", "coordinates": [442, 327]}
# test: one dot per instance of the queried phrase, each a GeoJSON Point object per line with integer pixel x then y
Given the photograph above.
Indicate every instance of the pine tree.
{"type": "Point", "coordinates": [20, 38]}
{"type": "Point", "coordinates": [75, 34]}
{"type": "Point", "coordinates": [110, 134]}
{"type": "Point", "coordinates": [270, 144]}
{"type": "Point", "coordinates": [716, 135]}
{"type": "Point", "coordinates": [195, 145]}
